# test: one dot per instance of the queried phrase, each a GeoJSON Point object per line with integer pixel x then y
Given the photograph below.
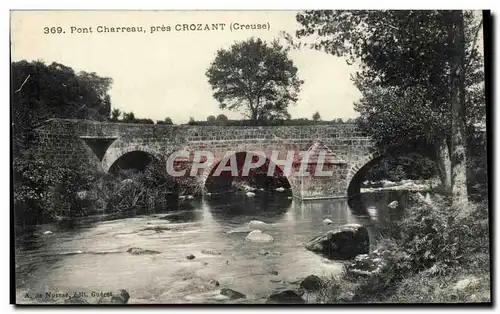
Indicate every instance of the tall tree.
{"type": "Point", "coordinates": [411, 53]}
{"type": "Point", "coordinates": [316, 116]}
{"type": "Point", "coordinates": [456, 41]}
{"type": "Point", "coordinates": [255, 77]}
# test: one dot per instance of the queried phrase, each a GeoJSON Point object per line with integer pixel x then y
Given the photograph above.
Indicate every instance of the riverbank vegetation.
{"type": "Point", "coordinates": [422, 83]}
{"type": "Point", "coordinates": [44, 191]}
{"type": "Point", "coordinates": [436, 253]}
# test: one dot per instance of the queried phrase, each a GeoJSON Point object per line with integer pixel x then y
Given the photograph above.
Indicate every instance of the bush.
{"type": "Point", "coordinates": [434, 245]}
{"type": "Point", "coordinates": [44, 191]}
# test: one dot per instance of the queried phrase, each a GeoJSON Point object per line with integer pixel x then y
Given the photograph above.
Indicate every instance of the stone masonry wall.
{"type": "Point", "coordinates": [65, 140]}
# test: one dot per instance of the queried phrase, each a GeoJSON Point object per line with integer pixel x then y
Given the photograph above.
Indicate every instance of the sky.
{"type": "Point", "coordinates": [162, 74]}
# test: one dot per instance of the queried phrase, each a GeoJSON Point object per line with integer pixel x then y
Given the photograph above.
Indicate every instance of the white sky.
{"type": "Point", "coordinates": [163, 74]}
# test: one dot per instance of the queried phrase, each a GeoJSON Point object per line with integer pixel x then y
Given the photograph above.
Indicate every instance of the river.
{"type": "Point", "coordinates": [90, 254]}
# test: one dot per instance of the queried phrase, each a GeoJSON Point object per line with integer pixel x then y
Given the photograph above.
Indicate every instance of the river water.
{"type": "Point", "coordinates": [90, 255]}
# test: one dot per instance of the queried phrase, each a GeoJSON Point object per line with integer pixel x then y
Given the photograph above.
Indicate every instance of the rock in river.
{"type": "Point", "coordinates": [393, 204]}
{"type": "Point", "coordinates": [258, 225]}
{"type": "Point", "coordinates": [266, 252]}
{"type": "Point", "coordinates": [327, 221]}
{"type": "Point", "coordinates": [210, 252]}
{"type": "Point", "coordinates": [285, 297]}
{"type": "Point", "coordinates": [346, 243]}
{"type": "Point", "coordinates": [311, 283]}
{"type": "Point", "coordinates": [231, 294]}
{"type": "Point", "coordinates": [213, 283]}
{"type": "Point", "coordinates": [258, 236]}
{"type": "Point", "coordinates": [139, 251]}
{"type": "Point", "coordinates": [190, 256]}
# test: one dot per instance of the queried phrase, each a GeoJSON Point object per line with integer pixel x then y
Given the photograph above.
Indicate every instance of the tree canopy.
{"type": "Point", "coordinates": [256, 78]}
{"type": "Point", "coordinates": [421, 74]}
{"type": "Point", "coordinates": [41, 91]}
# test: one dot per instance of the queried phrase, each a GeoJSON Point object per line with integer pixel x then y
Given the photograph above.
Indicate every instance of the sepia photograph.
{"type": "Point", "coordinates": [250, 157]}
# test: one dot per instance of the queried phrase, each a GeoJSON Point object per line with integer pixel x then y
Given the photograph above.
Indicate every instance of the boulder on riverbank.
{"type": "Point", "coordinates": [345, 243]}
{"type": "Point", "coordinates": [258, 236]}
{"type": "Point", "coordinates": [285, 297]}
{"type": "Point", "coordinates": [311, 283]}
{"type": "Point", "coordinates": [139, 251]}
{"type": "Point", "coordinates": [327, 221]}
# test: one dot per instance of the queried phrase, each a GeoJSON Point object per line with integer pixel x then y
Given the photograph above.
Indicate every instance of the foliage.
{"type": "Point", "coordinates": [426, 252]}
{"type": "Point", "coordinates": [128, 117]}
{"type": "Point", "coordinates": [147, 191]}
{"type": "Point", "coordinates": [316, 116]}
{"type": "Point", "coordinates": [167, 121]}
{"type": "Point", "coordinates": [288, 122]}
{"type": "Point", "coordinates": [44, 190]}
{"type": "Point", "coordinates": [255, 77]}
{"type": "Point", "coordinates": [222, 119]}
{"type": "Point", "coordinates": [115, 114]}
{"type": "Point", "coordinates": [211, 119]}
{"type": "Point", "coordinates": [41, 91]}
{"type": "Point", "coordinates": [411, 165]}
{"type": "Point", "coordinates": [408, 62]}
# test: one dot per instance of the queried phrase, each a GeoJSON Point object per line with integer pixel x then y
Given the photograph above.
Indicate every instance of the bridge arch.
{"type": "Point", "coordinates": [358, 171]}
{"type": "Point", "coordinates": [240, 156]}
{"type": "Point", "coordinates": [133, 156]}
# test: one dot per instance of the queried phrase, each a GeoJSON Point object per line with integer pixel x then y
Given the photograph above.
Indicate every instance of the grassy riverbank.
{"type": "Point", "coordinates": [436, 253]}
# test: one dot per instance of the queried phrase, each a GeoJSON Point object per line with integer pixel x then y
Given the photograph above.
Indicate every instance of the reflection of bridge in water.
{"type": "Point", "coordinates": [107, 146]}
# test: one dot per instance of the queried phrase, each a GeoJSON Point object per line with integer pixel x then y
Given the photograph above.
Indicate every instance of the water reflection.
{"type": "Point", "coordinates": [267, 206]}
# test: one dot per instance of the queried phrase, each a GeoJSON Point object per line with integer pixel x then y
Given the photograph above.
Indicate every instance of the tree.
{"type": "Point", "coordinates": [222, 119]}
{"type": "Point", "coordinates": [191, 121]}
{"type": "Point", "coordinates": [168, 121]}
{"type": "Point", "coordinates": [115, 114]}
{"type": "Point", "coordinates": [339, 120]}
{"type": "Point", "coordinates": [41, 92]}
{"type": "Point", "coordinates": [129, 117]}
{"type": "Point", "coordinates": [316, 116]}
{"type": "Point", "coordinates": [411, 54]}
{"type": "Point", "coordinates": [256, 78]}
{"type": "Point", "coordinates": [211, 119]}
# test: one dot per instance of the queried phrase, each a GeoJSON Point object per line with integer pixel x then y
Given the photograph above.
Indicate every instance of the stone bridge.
{"type": "Point", "coordinates": [104, 145]}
